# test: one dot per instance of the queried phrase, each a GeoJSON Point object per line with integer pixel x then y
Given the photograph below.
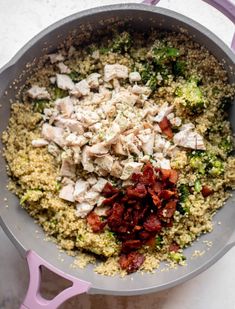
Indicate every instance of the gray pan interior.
{"type": "Point", "coordinates": [17, 223]}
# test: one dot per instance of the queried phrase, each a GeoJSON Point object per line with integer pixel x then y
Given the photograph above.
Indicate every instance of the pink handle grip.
{"type": "Point", "coordinates": [227, 7]}
{"type": "Point", "coordinates": [33, 299]}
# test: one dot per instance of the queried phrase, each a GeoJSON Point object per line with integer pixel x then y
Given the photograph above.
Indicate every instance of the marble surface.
{"type": "Point", "coordinates": [20, 21]}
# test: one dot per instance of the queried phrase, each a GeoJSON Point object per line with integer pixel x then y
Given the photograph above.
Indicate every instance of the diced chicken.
{"type": "Point", "coordinates": [91, 197]}
{"type": "Point", "coordinates": [52, 80]}
{"type": "Point", "coordinates": [116, 170]}
{"type": "Point", "coordinates": [80, 89]}
{"type": "Point", "coordinates": [125, 97]}
{"type": "Point", "coordinates": [66, 193]}
{"type": "Point", "coordinates": [87, 117]}
{"type": "Point", "coordinates": [165, 164]}
{"type": "Point", "coordinates": [116, 85]}
{"type": "Point", "coordinates": [92, 180]}
{"type": "Point", "coordinates": [76, 154]}
{"type": "Point", "coordinates": [64, 82]}
{"type": "Point", "coordinates": [81, 187]}
{"type": "Point", "coordinates": [54, 150]}
{"type": "Point", "coordinates": [98, 150]}
{"type": "Point", "coordinates": [147, 142]}
{"type": "Point", "coordinates": [164, 110]}
{"type": "Point", "coordinates": [53, 134]}
{"type": "Point", "coordinates": [83, 209]}
{"type": "Point", "coordinates": [95, 54]}
{"type": "Point", "coordinates": [189, 139]}
{"type": "Point", "coordinates": [86, 159]}
{"type": "Point", "coordinates": [112, 71]}
{"type": "Point", "coordinates": [123, 122]}
{"type": "Point", "coordinates": [144, 90]}
{"type": "Point", "coordinates": [109, 109]}
{"type": "Point", "coordinates": [134, 77]}
{"type": "Point", "coordinates": [64, 69]}
{"type": "Point", "coordinates": [72, 140]}
{"type": "Point", "coordinates": [72, 124]}
{"type": "Point", "coordinates": [56, 57]}
{"type": "Point", "coordinates": [176, 122]}
{"type": "Point", "coordinates": [40, 142]}
{"type": "Point", "coordinates": [40, 93]}
{"type": "Point", "coordinates": [96, 127]}
{"type": "Point", "coordinates": [68, 168]}
{"type": "Point", "coordinates": [130, 168]}
{"type": "Point", "coordinates": [65, 106]}
{"type": "Point", "coordinates": [159, 143]}
{"type": "Point", "coordinates": [99, 186]}
{"type": "Point", "coordinates": [112, 134]}
{"type": "Point", "coordinates": [71, 51]}
{"type": "Point", "coordinates": [131, 143]}
{"type": "Point", "coordinates": [105, 162]}
{"type": "Point", "coordinates": [102, 210]}
{"type": "Point", "coordinates": [156, 128]}
{"type": "Point", "coordinates": [93, 80]}
{"type": "Point", "coordinates": [118, 148]}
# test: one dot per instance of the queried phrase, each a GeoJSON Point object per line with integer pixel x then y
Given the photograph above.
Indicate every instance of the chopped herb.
{"type": "Point", "coordinates": [178, 68]}
{"type": "Point", "coordinates": [159, 241]}
{"type": "Point", "coordinates": [226, 145]}
{"type": "Point", "coordinates": [75, 76]}
{"type": "Point", "coordinates": [40, 105]}
{"type": "Point", "coordinates": [121, 43]}
{"type": "Point", "coordinates": [59, 93]}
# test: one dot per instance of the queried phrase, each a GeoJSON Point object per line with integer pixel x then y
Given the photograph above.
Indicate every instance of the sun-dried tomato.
{"type": "Point", "coordinates": [95, 222]}
{"type": "Point", "coordinates": [165, 174]}
{"type": "Point", "coordinates": [131, 262]}
{"type": "Point", "coordinates": [151, 242]}
{"type": "Point", "coordinates": [115, 219]}
{"type": "Point", "coordinates": [174, 176]}
{"type": "Point", "coordinates": [109, 190]}
{"type": "Point", "coordinates": [139, 191]}
{"type": "Point", "coordinates": [206, 191]}
{"type": "Point", "coordinates": [144, 235]}
{"type": "Point", "coordinates": [152, 223]}
{"type": "Point", "coordinates": [169, 210]}
{"type": "Point", "coordinates": [148, 176]}
{"type": "Point", "coordinates": [155, 198]}
{"type": "Point", "coordinates": [131, 245]}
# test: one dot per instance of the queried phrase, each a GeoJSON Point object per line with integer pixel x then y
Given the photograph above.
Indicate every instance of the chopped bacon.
{"type": "Point", "coordinates": [115, 219]}
{"type": "Point", "coordinates": [167, 194]}
{"type": "Point", "coordinates": [165, 174]}
{"type": "Point", "coordinates": [138, 191]}
{"type": "Point", "coordinates": [206, 191]}
{"type": "Point", "coordinates": [95, 222]}
{"type": "Point", "coordinates": [152, 223]}
{"type": "Point", "coordinates": [109, 190]}
{"type": "Point", "coordinates": [174, 247]}
{"type": "Point", "coordinates": [110, 200]}
{"type": "Point", "coordinates": [148, 177]}
{"type": "Point", "coordinates": [151, 242]}
{"type": "Point", "coordinates": [174, 176]}
{"type": "Point", "coordinates": [155, 197]}
{"type": "Point", "coordinates": [130, 245]}
{"type": "Point", "coordinates": [169, 210]}
{"type": "Point", "coordinates": [165, 126]}
{"type": "Point", "coordinates": [132, 261]}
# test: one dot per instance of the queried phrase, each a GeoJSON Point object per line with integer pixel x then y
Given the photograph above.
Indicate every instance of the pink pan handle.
{"type": "Point", "coordinates": [33, 298]}
{"type": "Point", "coordinates": [227, 7]}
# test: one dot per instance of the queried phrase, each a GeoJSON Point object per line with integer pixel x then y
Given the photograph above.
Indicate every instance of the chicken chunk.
{"type": "Point", "coordinates": [53, 134]}
{"type": "Point", "coordinates": [40, 93]}
{"type": "Point", "coordinates": [112, 71]}
{"type": "Point", "coordinates": [98, 150]}
{"type": "Point", "coordinates": [105, 162]}
{"type": "Point", "coordinates": [118, 148]}
{"type": "Point", "coordinates": [83, 209]}
{"type": "Point", "coordinates": [40, 142]}
{"type": "Point", "coordinates": [64, 69]}
{"type": "Point", "coordinates": [147, 142]}
{"type": "Point", "coordinates": [134, 77]}
{"type": "Point", "coordinates": [66, 193]}
{"type": "Point", "coordinates": [72, 124]}
{"type": "Point", "coordinates": [99, 186]}
{"type": "Point", "coordinates": [64, 82]}
{"type": "Point", "coordinates": [164, 110]}
{"type": "Point", "coordinates": [91, 197]}
{"type": "Point", "coordinates": [188, 138]}
{"type": "Point", "coordinates": [102, 210]}
{"type": "Point", "coordinates": [93, 80]}
{"type": "Point", "coordinates": [68, 168]}
{"type": "Point", "coordinates": [65, 106]}
{"type": "Point", "coordinates": [80, 89]}
{"type": "Point", "coordinates": [86, 159]}
{"type": "Point", "coordinates": [130, 168]}
{"type": "Point", "coordinates": [81, 187]}
{"type": "Point", "coordinates": [74, 140]}
{"type": "Point", "coordinates": [56, 57]}
{"type": "Point", "coordinates": [112, 134]}
{"type": "Point", "coordinates": [116, 170]}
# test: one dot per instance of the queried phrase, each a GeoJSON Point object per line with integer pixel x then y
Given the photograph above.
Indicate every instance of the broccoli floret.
{"type": "Point", "coordinates": [178, 68]}
{"type": "Point", "coordinates": [75, 76]}
{"type": "Point", "coordinates": [191, 95]}
{"type": "Point", "coordinates": [59, 93]}
{"type": "Point", "coordinates": [197, 185]}
{"type": "Point", "coordinates": [159, 240]}
{"type": "Point", "coordinates": [205, 162]}
{"type": "Point", "coordinates": [183, 205]}
{"type": "Point", "coordinates": [226, 145]}
{"type": "Point", "coordinates": [177, 257]}
{"type": "Point", "coordinates": [39, 105]}
{"type": "Point", "coordinates": [164, 54]}
{"type": "Point", "coordinates": [121, 43]}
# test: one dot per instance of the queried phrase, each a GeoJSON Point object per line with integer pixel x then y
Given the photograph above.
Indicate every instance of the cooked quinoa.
{"type": "Point", "coordinates": [96, 114]}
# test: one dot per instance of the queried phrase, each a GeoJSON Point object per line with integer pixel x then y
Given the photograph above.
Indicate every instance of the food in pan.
{"type": "Point", "coordinates": [121, 149]}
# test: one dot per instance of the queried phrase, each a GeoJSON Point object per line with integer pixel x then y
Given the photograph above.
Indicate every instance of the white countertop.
{"type": "Point", "coordinates": [20, 20]}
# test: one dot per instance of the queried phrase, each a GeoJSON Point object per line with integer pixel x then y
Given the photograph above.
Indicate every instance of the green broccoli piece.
{"type": "Point", "coordinates": [122, 43]}
{"type": "Point", "coordinates": [164, 54]}
{"type": "Point", "coordinates": [104, 50]}
{"type": "Point", "coordinates": [192, 95]}
{"type": "Point", "coordinates": [226, 145]}
{"type": "Point", "coordinates": [158, 241]}
{"type": "Point", "coordinates": [197, 185]}
{"type": "Point", "coordinates": [31, 196]}
{"type": "Point", "coordinates": [75, 76]}
{"type": "Point", "coordinates": [177, 257]}
{"type": "Point", "coordinates": [178, 68]}
{"type": "Point", "coordinates": [183, 205]}
{"type": "Point", "coordinates": [39, 105]}
{"type": "Point", "coordinates": [205, 162]}
{"type": "Point", "coordinates": [59, 93]}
